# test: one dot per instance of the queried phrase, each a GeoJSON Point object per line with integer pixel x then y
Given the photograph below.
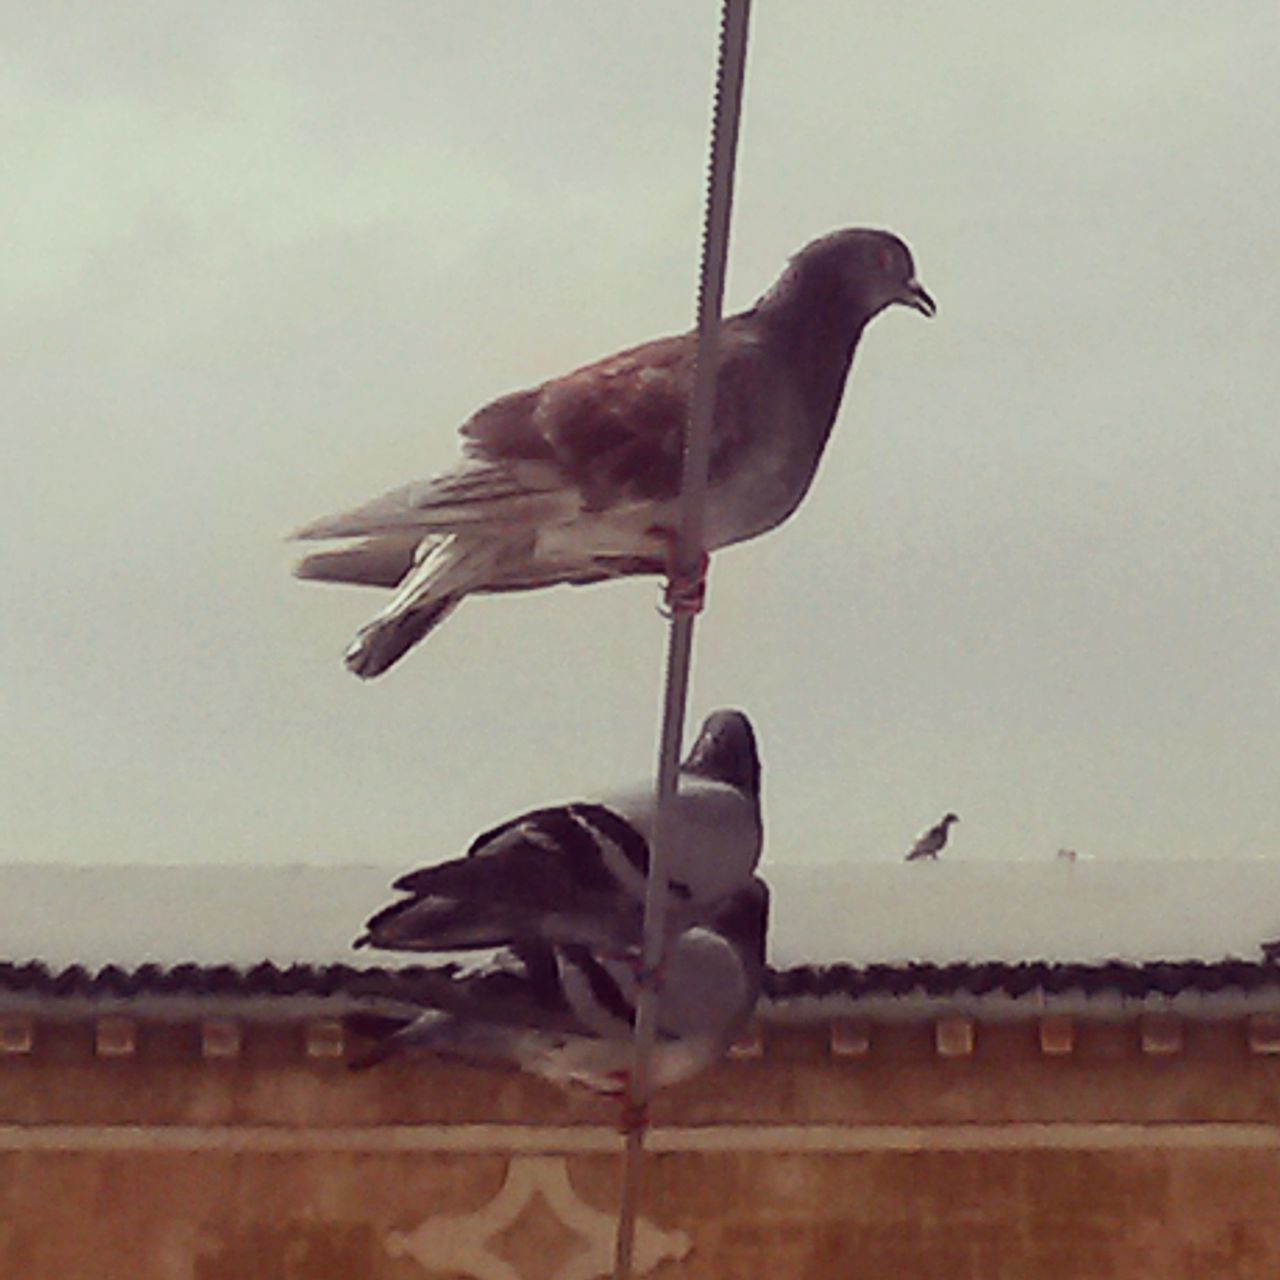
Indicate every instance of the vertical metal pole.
{"type": "Point", "coordinates": [687, 562]}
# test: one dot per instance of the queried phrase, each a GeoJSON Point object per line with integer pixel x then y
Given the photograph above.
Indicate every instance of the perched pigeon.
{"type": "Point", "coordinates": [929, 844]}
{"type": "Point", "coordinates": [576, 873]}
{"type": "Point", "coordinates": [564, 1013]}
{"type": "Point", "coordinates": [577, 480]}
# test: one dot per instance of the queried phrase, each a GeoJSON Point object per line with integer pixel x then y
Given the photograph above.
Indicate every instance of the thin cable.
{"type": "Point", "coordinates": [687, 562]}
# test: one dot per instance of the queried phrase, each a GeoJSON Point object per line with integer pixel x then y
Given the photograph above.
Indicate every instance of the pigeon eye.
{"type": "Point", "coordinates": [881, 259]}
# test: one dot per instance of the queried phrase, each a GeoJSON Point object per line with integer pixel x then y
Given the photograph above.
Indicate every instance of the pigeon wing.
{"type": "Point", "coordinates": [552, 872]}
{"type": "Point", "coordinates": [614, 429]}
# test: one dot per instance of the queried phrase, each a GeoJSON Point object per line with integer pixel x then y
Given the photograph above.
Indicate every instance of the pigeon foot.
{"type": "Point", "coordinates": [685, 593]}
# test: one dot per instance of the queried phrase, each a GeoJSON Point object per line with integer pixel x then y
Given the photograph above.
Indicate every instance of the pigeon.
{"type": "Point", "coordinates": [578, 480]}
{"type": "Point", "coordinates": [929, 843]}
{"type": "Point", "coordinates": [576, 872]}
{"type": "Point", "coordinates": [562, 1012]}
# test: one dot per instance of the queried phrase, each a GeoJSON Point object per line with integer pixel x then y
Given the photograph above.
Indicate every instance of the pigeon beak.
{"type": "Point", "coordinates": [915, 295]}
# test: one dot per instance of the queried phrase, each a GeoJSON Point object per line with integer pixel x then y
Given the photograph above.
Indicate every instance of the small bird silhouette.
{"type": "Point", "coordinates": [929, 843]}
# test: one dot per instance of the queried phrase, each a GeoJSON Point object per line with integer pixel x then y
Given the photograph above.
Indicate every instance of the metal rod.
{"type": "Point", "coordinates": [687, 561]}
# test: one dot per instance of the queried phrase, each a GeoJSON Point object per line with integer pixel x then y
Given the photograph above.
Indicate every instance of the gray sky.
{"type": "Point", "coordinates": [262, 259]}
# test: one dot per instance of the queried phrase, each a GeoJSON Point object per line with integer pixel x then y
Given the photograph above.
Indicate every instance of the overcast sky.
{"type": "Point", "coordinates": [261, 260]}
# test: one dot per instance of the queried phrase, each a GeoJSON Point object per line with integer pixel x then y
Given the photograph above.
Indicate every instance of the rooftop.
{"type": "Point", "coordinates": [886, 938]}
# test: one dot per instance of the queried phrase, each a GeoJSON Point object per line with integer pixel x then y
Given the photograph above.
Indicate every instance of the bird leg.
{"type": "Point", "coordinates": [643, 975]}
{"type": "Point", "coordinates": [685, 596]}
{"type": "Point", "coordinates": [685, 592]}
{"type": "Point", "coordinates": [634, 1117]}
{"type": "Point", "coordinates": [651, 978]}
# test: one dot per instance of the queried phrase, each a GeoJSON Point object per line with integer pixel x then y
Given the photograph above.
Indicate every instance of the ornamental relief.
{"type": "Point", "coordinates": [535, 1228]}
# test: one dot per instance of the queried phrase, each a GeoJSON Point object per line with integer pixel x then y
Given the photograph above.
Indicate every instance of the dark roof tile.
{"type": "Point", "coordinates": [898, 981]}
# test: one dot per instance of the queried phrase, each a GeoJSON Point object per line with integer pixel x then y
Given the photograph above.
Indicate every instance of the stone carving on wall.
{"type": "Point", "coordinates": [535, 1228]}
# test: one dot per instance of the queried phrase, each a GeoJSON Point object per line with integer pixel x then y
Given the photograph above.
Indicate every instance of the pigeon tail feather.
{"type": "Point", "coordinates": [384, 1029]}
{"type": "Point", "coordinates": [447, 569]}
{"type": "Point", "coordinates": [437, 924]}
{"type": "Point", "coordinates": [383, 642]}
{"type": "Point", "coordinates": [376, 562]}
{"type": "Point", "coordinates": [490, 497]}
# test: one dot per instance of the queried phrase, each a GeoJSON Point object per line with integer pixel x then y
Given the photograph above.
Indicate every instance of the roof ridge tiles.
{"type": "Point", "coordinates": [1128, 979]}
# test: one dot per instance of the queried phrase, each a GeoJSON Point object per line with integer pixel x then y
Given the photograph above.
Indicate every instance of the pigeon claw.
{"type": "Point", "coordinates": [685, 593]}
{"type": "Point", "coordinates": [643, 975]}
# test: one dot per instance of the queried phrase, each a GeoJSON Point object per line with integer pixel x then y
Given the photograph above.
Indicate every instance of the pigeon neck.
{"type": "Point", "coordinates": [818, 329]}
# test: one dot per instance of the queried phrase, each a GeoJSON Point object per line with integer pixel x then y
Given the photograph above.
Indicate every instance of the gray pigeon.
{"type": "Point", "coordinates": [576, 872]}
{"type": "Point", "coordinates": [929, 843]}
{"type": "Point", "coordinates": [567, 1014]}
{"type": "Point", "coordinates": [577, 480]}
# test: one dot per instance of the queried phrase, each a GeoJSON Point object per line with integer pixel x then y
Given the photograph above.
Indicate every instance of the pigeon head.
{"type": "Point", "coordinates": [950, 818]}
{"type": "Point", "coordinates": [725, 751]}
{"type": "Point", "coordinates": [860, 271]}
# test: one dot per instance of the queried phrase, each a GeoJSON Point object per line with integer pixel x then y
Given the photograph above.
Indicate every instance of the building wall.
{"type": "Point", "coordinates": [1091, 1152]}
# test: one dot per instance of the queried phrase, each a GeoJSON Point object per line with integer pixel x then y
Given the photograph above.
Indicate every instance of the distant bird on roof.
{"type": "Point", "coordinates": [930, 843]}
{"type": "Point", "coordinates": [576, 872]}
{"type": "Point", "coordinates": [567, 1014]}
{"type": "Point", "coordinates": [577, 480]}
